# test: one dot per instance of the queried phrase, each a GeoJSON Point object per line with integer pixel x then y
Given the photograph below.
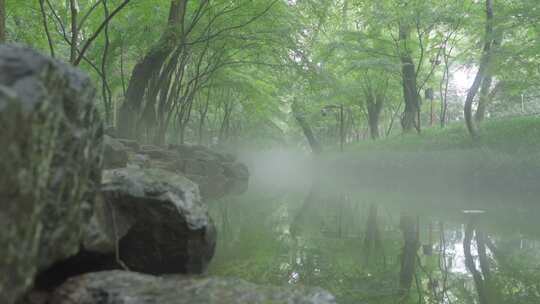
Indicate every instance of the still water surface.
{"type": "Point", "coordinates": [366, 245]}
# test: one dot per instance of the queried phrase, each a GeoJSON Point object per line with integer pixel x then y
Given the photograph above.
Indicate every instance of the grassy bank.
{"type": "Point", "coordinates": [519, 137]}
{"type": "Point", "coordinates": [503, 165]}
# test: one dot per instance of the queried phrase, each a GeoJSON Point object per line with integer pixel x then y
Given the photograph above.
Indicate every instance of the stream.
{"type": "Point", "coordinates": [354, 240]}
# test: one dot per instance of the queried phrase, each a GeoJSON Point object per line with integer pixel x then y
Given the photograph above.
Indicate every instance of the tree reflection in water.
{"type": "Point", "coordinates": [367, 250]}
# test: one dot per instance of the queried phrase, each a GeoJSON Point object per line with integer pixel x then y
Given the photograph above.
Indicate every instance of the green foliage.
{"type": "Point", "coordinates": [312, 53]}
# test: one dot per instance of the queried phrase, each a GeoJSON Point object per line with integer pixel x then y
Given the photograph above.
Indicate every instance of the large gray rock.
{"type": "Point", "coordinates": [120, 287]}
{"type": "Point", "coordinates": [115, 153]}
{"type": "Point", "coordinates": [217, 174]}
{"type": "Point", "coordinates": [159, 220]}
{"type": "Point", "coordinates": [50, 164]}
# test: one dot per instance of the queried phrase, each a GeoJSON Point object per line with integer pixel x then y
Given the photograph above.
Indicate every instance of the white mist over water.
{"type": "Point", "coordinates": [280, 168]}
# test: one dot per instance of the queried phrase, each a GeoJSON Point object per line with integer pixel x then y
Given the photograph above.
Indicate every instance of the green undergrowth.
{"type": "Point", "coordinates": [516, 137]}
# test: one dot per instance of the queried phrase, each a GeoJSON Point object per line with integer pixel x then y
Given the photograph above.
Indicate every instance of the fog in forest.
{"type": "Point", "coordinates": [346, 223]}
{"type": "Point", "coordinates": [270, 151]}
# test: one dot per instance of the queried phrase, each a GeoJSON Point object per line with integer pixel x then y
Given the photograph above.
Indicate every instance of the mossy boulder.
{"type": "Point", "coordinates": [217, 174]}
{"type": "Point", "coordinates": [115, 153]}
{"type": "Point", "coordinates": [50, 164]}
{"type": "Point", "coordinates": [160, 223]}
{"type": "Point", "coordinates": [121, 287]}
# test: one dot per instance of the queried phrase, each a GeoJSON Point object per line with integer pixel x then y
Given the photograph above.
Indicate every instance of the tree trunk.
{"type": "Point", "coordinates": [374, 113]}
{"type": "Point", "coordinates": [141, 75]}
{"type": "Point", "coordinates": [74, 6]}
{"type": "Point", "coordinates": [409, 252]}
{"type": "Point", "coordinates": [2, 21]}
{"type": "Point", "coordinates": [409, 121]}
{"type": "Point", "coordinates": [392, 119]}
{"type": "Point", "coordinates": [480, 282]}
{"type": "Point", "coordinates": [374, 96]}
{"type": "Point", "coordinates": [444, 84]}
{"type": "Point", "coordinates": [45, 26]}
{"type": "Point", "coordinates": [145, 70]}
{"type": "Point", "coordinates": [308, 133]}
{"type": "Point", "coordinates": [482, 69]}
{"type": "Point", "coordinates": [483, 99]}
{"type": "Point", "coordinates": [228, 107]}
{"type": "Point", "coordinates": [106, 91]}
{"type": "Point", "coordinates": [159, 138]}
{"type": "Point", "coordinates": [485, 92]}
{"type": "Point", "coordinates": [202, 117]}
{"type": "Point", "coordinates": [373, 238]}
{"type": "Point", "coordinates": [483, 257]}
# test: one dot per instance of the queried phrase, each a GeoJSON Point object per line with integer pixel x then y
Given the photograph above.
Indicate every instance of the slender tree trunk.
{"type": "Point", "coordinates": [159, 138]}
{"type": "Point", "coordinates": [480, 75]}
{"type": "Point", "coordinates": [122, 72]}
{"type": "Point", "coordinates": [2, 21]}
{"type": "Point", "coordinates": [410, 119]}
{"type": "Point", "coordinates": [186, 118]}
{"type": "Point", "coordinates": [74, 6]}
{"type": "Point", "coordinates": [480, 113]}
{"type": "Point", "coordinates": [483, 257]}
{"type": "Point", "coordinates": [105, 90]}
{"type": "Point", "coordinates": [479, 282]}
{"type": "Point", "coordinates": [314, 144]}
{"type": "Point", "coordinates": [445, 82]}
{"type": "Point", "coordinates": [409, 227]}
{"type": "Point", "coordinates": [374, 95]}
{"type": "Point", "coordinates": [392, 119]}
{"type": "Point", "coordinates": [182, 134]}
{"type": "Point", "coordinates": [374, 113]}
{"type": "Point", "coordinates": [45, 26]}
{"type": "Point", "coordinates": [225, 122]}
{"type": "Point", "coordinates": [203, 111]}
{"type": "Point", "coordinates": [485, 89]}
{"type": "Point", "coordinates": [373, 239]}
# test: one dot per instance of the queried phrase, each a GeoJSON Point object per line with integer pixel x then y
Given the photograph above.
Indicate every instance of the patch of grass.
{"type": "Point", "coordinates": [519, 136]}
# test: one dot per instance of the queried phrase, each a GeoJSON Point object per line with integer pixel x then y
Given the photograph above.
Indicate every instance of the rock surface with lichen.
{"type": "Point", "coordinates": [50, 164]}
{"type": "Point", "coordinates": [66, 231]}
{"type": "Point", "coordinates": [120, 287]}
{"type": "Point", "coordinates": [217, 174]}
{"type": "Point", "coordinates": [159, 221]}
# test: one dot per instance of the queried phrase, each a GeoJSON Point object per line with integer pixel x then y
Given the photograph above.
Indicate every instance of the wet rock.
{"type": "Point", "coordinates": [237, 171]}
{"type": "Point", "coordinates": [120, 287]}
{"type": "Point", "coordinates": [139, 161]}
{"type": "Point", "coordinates": [195, 167]}
{"type": "Point", "coordinates": [148, 148]}
{"type": "Point", "coordinates": [115, 154]}
{"type": "Point", "coordinates": [184, 151]}
{"type": "Point", "coordinates": [159, 154]}
{"type": "Point", "coordinates": [217, 174]}
{"type": "Point", "coordinates": [101, 233]}
{"type": "Point", "coordinates": [50, 164]}
{"type": "Point", "coordinates": [130, 143]}
{"type": "Point", "coordinates": [212, 186]}
{"type": "Point", "coordinates": [110, 131]}
{"type": "Point", "coordinates": [161, 223]}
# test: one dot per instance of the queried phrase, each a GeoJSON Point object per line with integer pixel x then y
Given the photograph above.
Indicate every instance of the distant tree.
{"type": "Point", "coordinates": [2, 21]}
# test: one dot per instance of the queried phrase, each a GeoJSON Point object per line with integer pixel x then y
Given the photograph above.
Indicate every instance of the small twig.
{"type": "Point", "coordinates": [46, 27]}
{"type": "Point", "coordinates": [117, 240]}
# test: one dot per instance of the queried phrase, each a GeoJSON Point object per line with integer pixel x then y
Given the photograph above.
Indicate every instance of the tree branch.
{"type": "Point", "coordinates": [46, 27]}
{"type": "Point", "coordinates": [98, 31]}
